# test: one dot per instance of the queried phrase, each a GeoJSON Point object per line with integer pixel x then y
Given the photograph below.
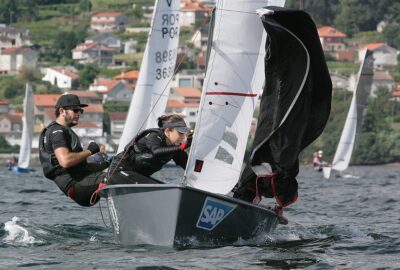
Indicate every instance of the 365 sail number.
{"type": "Point", "coordinates": [165, 57]}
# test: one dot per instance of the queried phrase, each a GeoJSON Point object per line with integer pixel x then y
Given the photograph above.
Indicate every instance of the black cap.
{"type": "Point", "coordinates": [180, 126]}
{"type": "Point", "coordinates": [69, 100]}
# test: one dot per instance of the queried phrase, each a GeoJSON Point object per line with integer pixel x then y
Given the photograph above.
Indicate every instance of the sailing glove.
{"type": "Point", "coordinates": [187, 143]}
{"type": "Point", "coordinates": [93, 147]}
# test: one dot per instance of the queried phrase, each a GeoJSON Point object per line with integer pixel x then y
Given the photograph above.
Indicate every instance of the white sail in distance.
{"type": "Point", "coordinates": [355, 115]}
{"type": "Point", "coordinates": [27, 129]}
{"type": "Point", "coordinates": [158, 66]}
{"type": "Point", "coordinates": [234, 79]}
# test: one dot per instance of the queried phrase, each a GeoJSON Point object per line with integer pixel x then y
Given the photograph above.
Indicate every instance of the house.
{"type": "Point", "coordinates": [187, 95]}
{"type": "Point", "coordinates": [108, 21]}
{"type": "Point", "coordinates": [61, 77]}
{"type": "Point", "coordinates": [382, 79]}
{"type": "Point", "coordinates": [385, 57]}
{"type": "Point", "coordinates": [188, 111]}
{"type": "Point", "coordinates": [13, 59]}
{"type": "Point", "coordinates": [117, 123]}
{"type": "Point", "coordinates": [193, 13]}
{"type": "Point", "coordinates": [129, 77]}
{"type": "Point", "coordinates": [112, 90]}
{"type": "Point", "coordinates": [200, 39]}
{"type": "Point", "coordinates": [93, 52]}
{"type": "Point", "coordinates": [11, 127]}
{"type": "Point", "coordinates": [189, 78]}
{"type": "Point", "coordinates": [332, 40]}
{"type": "Point", "coordinates": [131, 46]}
{"type": "Point", "coordinates": [107, 39]}
{"type": "Point", "coordinates": [340, 81]}
{"type": "Point", "coordinates": [4, 106]}
{"type": "Point", "coordinates": [14, 37]}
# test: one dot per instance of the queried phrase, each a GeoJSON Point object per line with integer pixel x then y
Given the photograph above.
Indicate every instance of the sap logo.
{"type": "Point", "coordinates": [213, 212]}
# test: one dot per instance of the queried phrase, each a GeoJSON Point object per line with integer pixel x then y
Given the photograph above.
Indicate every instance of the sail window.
{"type": "Point", "coordinates": [230, 138]}
{"type": "Point", "coordinates": [223, 155]}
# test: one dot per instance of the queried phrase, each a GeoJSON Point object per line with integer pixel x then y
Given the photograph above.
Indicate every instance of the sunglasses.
{"type": "Point", "coordinates": [75, 110]}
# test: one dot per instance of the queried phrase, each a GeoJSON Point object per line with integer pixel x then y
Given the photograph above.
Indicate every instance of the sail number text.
{"type": "Point", "coordinates": [165, 57]}
{"type": "Point", "coordinates": [170, 25]}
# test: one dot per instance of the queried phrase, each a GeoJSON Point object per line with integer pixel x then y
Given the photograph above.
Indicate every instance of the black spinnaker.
{"type": "Point", "coordinates": [295, 104]}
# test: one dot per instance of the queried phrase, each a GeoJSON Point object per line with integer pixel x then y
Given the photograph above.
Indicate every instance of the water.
{"type": "Point", "coordinates": [351, 222]}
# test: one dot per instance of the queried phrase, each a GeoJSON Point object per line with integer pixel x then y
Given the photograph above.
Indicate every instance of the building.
{"type": "Point", "coordinates": [385, 57]}
{"type": "Point", "coordinates": [187, 95]}
{"type": "Point", "coordinates": [11, 37]}
{"type": "Point", "coordinates": [112, 90]}
{"type": "Point", "coordinates": [13, 59]}
{"type": "Point", "coordinates": [107, 39]}
{"type": "Point", "coordinates": [129, 77]}
{"type": "Point", "coordinates": [4, 106]}
{"type": "Point", "coordinates": [61, 77]}
{"type": "Point", "coordinates": [11, 127]}
{"type": "Point", "coordinates": [382, 79]}
{"type": "Point", "coordinates": [188, 111]}
{"type": "Point", "coordinates": [193, 13]}
{"type": "Point", "coordinates": [93, 52]}
{"type": "Point", "coordinates": [332, 40]}
{"type": "Point", "coordinates": [189, 78]}
{"type": "Point", "coordinates": [108, 21]}
{"type": "Point", "coordinates": [117, 123]}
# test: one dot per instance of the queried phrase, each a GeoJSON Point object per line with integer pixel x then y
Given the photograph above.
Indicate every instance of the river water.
{"type": "Point", "coordinates": [348, 222]}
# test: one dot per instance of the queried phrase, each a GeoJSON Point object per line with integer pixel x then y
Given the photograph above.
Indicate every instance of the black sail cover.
{"type": "Point", "coordinates": [296, 100]}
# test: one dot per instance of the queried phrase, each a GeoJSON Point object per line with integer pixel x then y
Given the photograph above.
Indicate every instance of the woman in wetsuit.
{"type": "Point", "coordinates": [150, 150]}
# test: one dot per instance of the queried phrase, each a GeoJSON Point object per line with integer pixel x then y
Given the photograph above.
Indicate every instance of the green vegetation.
{"type": "Point", "coordinates": [377, 142]}
{"type": "Point", "coordinates": [5, 147]}
{"type": "Point", "coordinates": [345, 68]}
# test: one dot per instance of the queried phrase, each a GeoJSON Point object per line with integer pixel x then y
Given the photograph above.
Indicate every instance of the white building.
{"type": "Point", "coordinates": [61, 77]}
{"type": "Point", "coordinates": [108, 21]}
{"type": "Point", "coordinates": [13, 59]}
{"type": "Point", "coordinates": [385, 57]}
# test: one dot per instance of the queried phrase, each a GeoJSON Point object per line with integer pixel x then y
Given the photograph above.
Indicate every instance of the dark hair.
{"type": "Point", "coordinates": [58, 112]}
{"type": "Point", "coordinates": [168, 119]}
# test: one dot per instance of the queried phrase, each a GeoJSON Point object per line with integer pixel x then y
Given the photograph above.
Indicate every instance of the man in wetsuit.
{"type": "Point", "coordinates": [63, 158]}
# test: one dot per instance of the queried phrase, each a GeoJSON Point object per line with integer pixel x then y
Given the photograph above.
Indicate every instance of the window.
{"type": "Point", "coordinates": [185, 82]}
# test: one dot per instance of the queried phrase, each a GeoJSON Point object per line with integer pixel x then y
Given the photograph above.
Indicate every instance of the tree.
{"type": "Point", "coordinates": [88, 74]}
{"type": "Point", "coordinates": [8, 11]}
{"type": "Point", "coordinates": [64, 43]}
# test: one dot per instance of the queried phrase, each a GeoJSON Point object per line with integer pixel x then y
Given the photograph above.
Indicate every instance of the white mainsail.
{"type": "Point", "coordinates": [152, 89]}
{"type": "Point", "coordinates": [27, 129]}
{"type": "Point", "coordinates": [354, 117]}
{"type": "Point", "coordinates": [235, 77]}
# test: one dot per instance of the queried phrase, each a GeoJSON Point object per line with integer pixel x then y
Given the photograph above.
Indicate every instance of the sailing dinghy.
{"type": "Point", "coordinates": [201, 209]}
{"type": "Point", "coordinates": [354, 117]}
{"type": "Point", "coordinates": [27, 133]}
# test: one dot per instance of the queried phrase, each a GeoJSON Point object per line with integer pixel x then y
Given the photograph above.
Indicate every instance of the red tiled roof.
{"type": "Point", "coordinates": [117, 116]}
{"type": "Point", "coordinates": [373, 46]}
{"type": "Point", "coordinates": [396, 94]}
{"type": "Point", "coordinates": [4, 102]}
{"type": "Point", "coordinates": [328, 31]}
{"type": "Point", "coordinates": [15, 117]}
{"type": "Point", "coordinates": [46, 100]}
{"type": "Point", "coordinates": [188, 91]}
{"type": "Point", "coordinates": [195, 7]}
{"type": "Point", "coordinates": [15, 50]}
{"type": "Point", "coordinates": [173, 103]}
{"type": "Point", "coordinates": [130, 75]}
{"type": "Point", "coordinates": [84, 93]}
{"type": "Point", "coordinates": [109, 84]}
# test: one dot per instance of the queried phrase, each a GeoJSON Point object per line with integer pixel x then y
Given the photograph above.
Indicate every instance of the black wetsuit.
{"type": "Point", "coordinates": [146, 154]}
{"type": "Point", "coordinates": [78, 182]}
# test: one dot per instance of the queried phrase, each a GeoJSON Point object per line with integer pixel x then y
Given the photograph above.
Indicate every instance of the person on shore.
{"type": "Point", "coordinates": [63, 158]}
{"type": "Point", "coordinates": [150, 150]}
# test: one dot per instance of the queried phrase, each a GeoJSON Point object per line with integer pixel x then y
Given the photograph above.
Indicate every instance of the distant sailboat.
{"type": "Point", "coordinates": [27, 133]}
{"type": "Point", "coordinates": [354, 118]}
{"type": "Point", "coordinates": [158, 66]}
